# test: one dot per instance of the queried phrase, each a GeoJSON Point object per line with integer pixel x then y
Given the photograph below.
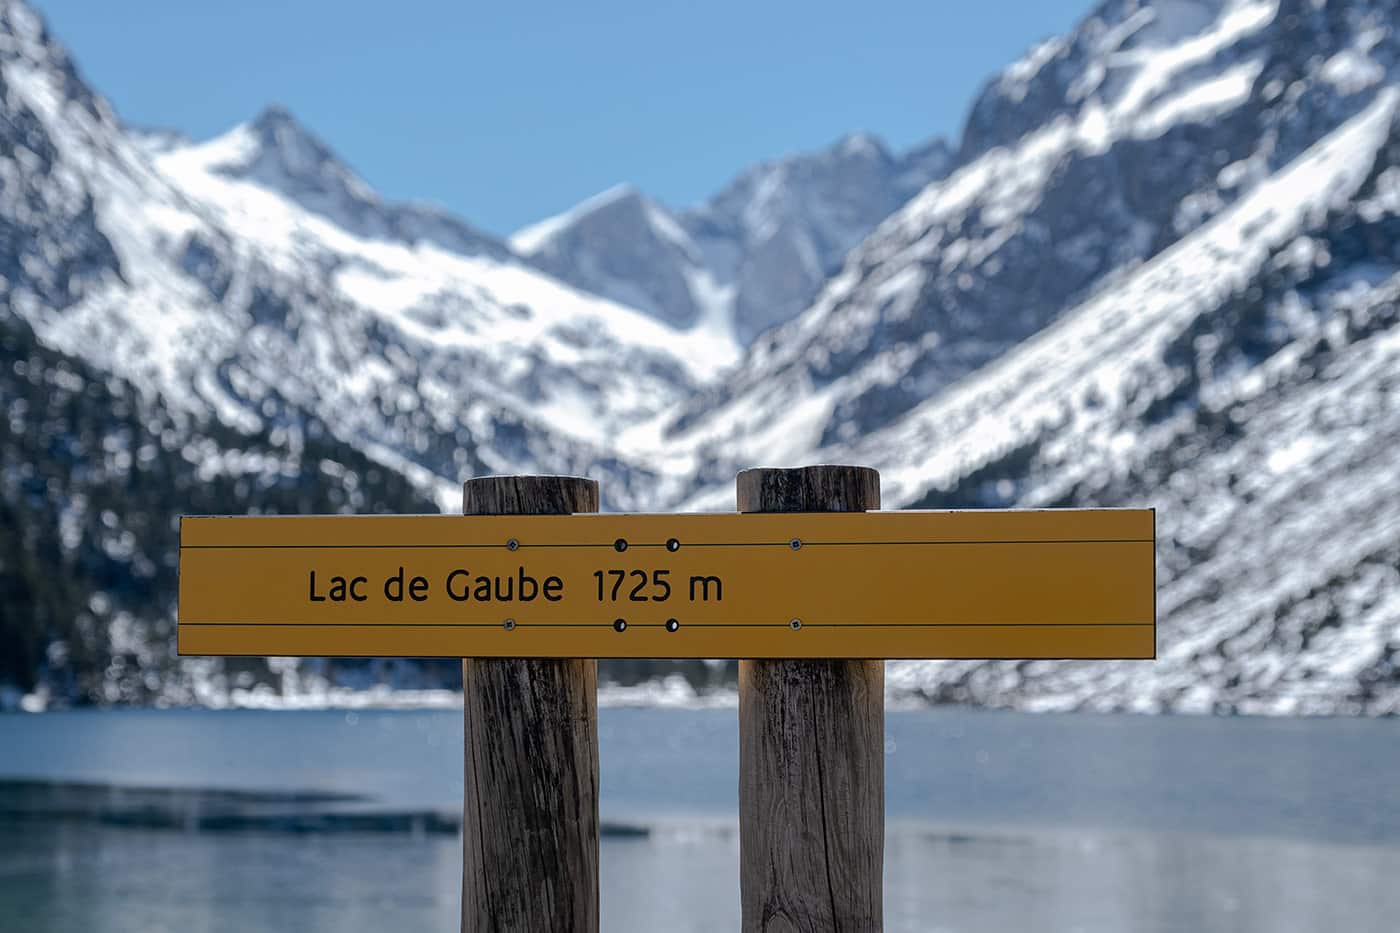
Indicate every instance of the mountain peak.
{"type": "Point", "coordinates": [618, 192]}
{"type": "Point", "coordinates": [861, 144]}
{"type": "Point", "coordinates": [623, 196]}
{"type": "Point", "coordinates": [278, 130]}
{"type": "Point", "coordinates": [749, 257]}
{"type": "Point", "coordinates": [537, 236]}
{"type": "Point", "coordinates": [275, 115]}
{"type": "Point", "coordinates": [278, 151]}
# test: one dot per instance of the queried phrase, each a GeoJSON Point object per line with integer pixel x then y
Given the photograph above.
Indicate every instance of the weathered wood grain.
{"type": "Point", "coordinates": [809, 489]}
{"type": "Point", "coordinates": [811, 754]}
{"type": "Point", "coordinates": [529, 495]}
{"type": "Point", "coordinates": [530, 802]}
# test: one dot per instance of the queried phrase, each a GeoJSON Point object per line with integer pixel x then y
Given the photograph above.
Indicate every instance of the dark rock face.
{"type": "Point", "coordinates": [94, 477]}
{"type": "Point", "coordinates": [50, 243]}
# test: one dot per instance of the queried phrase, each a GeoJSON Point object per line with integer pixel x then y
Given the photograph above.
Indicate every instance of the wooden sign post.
{"type": "Point", "coordinates": [529, 589]}
{"type": "Point", "coordinates": [530, 777]}
{"type": "Point", "coordinates": [811, 753]}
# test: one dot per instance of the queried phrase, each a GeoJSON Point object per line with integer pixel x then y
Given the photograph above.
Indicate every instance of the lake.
{"type": "Point", "coordinates": [200, 820]}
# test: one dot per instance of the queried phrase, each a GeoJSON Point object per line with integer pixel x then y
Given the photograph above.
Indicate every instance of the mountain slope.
{"type": "Point", "coordinates": [748, 258]}
{"type": "Point", "coordinates": [1242, 381]}
{"type": "Point", "coordinates": [275, 152]}
{"type": "Point", "coordinates": [244, 327]}
{"type": "Point", "coordinates": [1087, 158]}
{"type": "Point", "coordinates": [200, 272]}
{"type": "Point", "coordinates": [1247, 385]}
{"type": "Point", "coordinates": [94, 474]}
{"type": "Point", "coordinates": [1210, 234]}
{"type": "Point", "coordinates": [625, 246]}
{"type": "Point", "coordinates": [489, 332]}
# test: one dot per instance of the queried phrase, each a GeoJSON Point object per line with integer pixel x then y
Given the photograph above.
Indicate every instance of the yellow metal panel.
{"type": "Point", "coordinates": [976, 584]}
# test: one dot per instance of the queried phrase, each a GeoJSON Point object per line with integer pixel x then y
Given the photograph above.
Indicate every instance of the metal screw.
{"type": "Point", "coordinates": [672, 544]}
{"type": "Point", "coordinates": [795, 544]}
{"type": "Point", "coordinates": [620, 544]}
{"type": "Point", "coordinates": [795, 624]}
{"type": "Point", "coordinates": [672, 625]}
{"type": "Point", "coordinates": [619, 625]}
{"type": "Point", "coordinates": [508, 625]}
{"type": "Point", "coordinates": [512, 545]}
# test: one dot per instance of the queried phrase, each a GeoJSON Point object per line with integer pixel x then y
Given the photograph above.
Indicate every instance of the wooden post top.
{"type": "Point", "coordinates": [529, 495]}
{"type": "Point", "coordinates": [825, 488]}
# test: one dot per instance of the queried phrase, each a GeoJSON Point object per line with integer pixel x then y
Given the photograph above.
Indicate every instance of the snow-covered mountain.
{"type": "Point", "coordinates": [277, 153]}
{"type": "Point", "coordinates": [747, 259]}
{"type": "Point", "coordinates": [1084, 160]}
{"type": "Point", "coordinates": [1158, 268]}
{"type": "Point", "coordinates": [257, 277]}
{"type": "Point", "coordinates": [1202, 202]}
{"type": "Point", "coordinates": [1246, 383]}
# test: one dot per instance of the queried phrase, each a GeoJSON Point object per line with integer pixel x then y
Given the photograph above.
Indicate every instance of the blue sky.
{"type": "Point", "coordinates": [511, 111]}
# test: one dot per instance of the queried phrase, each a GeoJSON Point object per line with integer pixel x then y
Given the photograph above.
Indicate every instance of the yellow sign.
{"type": "Point", "coordinates": [977, 584]}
